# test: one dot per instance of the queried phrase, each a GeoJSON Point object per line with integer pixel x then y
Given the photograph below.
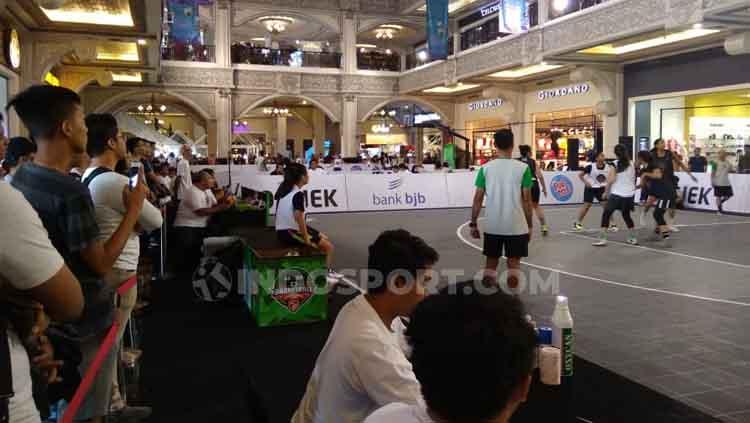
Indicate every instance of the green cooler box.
{"type": "Point", "coordinates": [286, 286]}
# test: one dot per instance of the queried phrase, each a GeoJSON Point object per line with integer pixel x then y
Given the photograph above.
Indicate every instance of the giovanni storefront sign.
{"type": "Point", "coordinates": [576, 89]}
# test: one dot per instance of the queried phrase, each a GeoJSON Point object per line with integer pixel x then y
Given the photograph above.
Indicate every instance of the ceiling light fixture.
{"type": "Point", "coordinates": [367, 46]}
{"type": "Point", "coordinates": [616, 50]}
{"type": "Point", "coordinates": [560, 5]}
{"type": "Point", "coordinates": [70, 12]}
{"type": "Point", "coordinates": [276, 24]}
{"type": "Point", "coordinates": [127, 77]}
{"type": "Point", "coordinates": [276, 111]}
{"type": "Point", "coordinates": [142, 42]}
{"type": "Point", "coordinates": [525, 71]}
{"type": "Point", "coordinates": [453, 89]}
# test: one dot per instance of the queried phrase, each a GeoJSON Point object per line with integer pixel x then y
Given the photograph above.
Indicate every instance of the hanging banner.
{"type": "Point", "coordinates": [437, 29]}
{"type": "Point", "coordinates": [514, 16]}
{"type": "Point", "coordinates": [184, 27]}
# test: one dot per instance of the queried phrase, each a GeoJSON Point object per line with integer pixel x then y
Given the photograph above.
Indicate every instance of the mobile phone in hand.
{"type": "Point", "coordinates": [133, 172]}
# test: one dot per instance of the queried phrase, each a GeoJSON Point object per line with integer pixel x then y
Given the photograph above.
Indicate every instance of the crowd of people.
{"type": "Point", "coordinates": [80, 206]}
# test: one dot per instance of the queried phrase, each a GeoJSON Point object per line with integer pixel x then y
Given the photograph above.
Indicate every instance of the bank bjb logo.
{"type": "Point", "coordinates": [395, 184]}
{"type": "Point", "coordinates": [293, 289]}
{"type": "Point", "coordinates": [212, 280]}
{"type": "Point", "coordinates": [562, 188]}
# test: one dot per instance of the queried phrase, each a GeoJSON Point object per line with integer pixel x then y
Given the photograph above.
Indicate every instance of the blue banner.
{"type": "Point", "coordinates": [184, 27]}
{"type": "Point", "coordinates": [437, 29]}
{"type": "Point", "coordinates": [514, 16]}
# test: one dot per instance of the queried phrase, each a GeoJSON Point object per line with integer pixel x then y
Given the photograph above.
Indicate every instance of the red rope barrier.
{"type": "Point", "coordinates": [101, 354]}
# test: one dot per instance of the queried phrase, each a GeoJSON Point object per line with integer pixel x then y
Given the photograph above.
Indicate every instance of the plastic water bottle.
{"type": "Point", "coordinates": [562, 335]}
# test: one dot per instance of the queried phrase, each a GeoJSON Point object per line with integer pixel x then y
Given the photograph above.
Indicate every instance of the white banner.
{"type": "Point", "coordinates": [364, 191]}
{"type": "Point", "coordinates": [401, 191]}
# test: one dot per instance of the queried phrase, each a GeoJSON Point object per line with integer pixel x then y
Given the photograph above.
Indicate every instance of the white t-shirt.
{"type": "Point", "coordinates": [106, 193]}
{"type": "Point", "coordinates": [360, 369]}
{"type": "Point", "coordinates": [165, 180]}
{"type": "Point", "coordinates": [400, 413]}
{"type": "Point", "coordinates": [186, 179]}
{"type": "Point", "coordinates": [193, 200]}
{"type": "Point", "coordinates": [595, 176]}
{"type": "Point", "coordinates": [27, 259]}
{"type": "Point", "coordinates": [624, 185]}
{"type": "Point", "coordinates": [502, 181]}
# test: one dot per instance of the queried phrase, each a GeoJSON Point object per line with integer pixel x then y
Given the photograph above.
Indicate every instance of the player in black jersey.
{"type": "Point", "coordinates": [661, 193]}
{"type": "Point", "coordinates": [538, 177]}
{"type": "Point", "coordinates": [668, 161]}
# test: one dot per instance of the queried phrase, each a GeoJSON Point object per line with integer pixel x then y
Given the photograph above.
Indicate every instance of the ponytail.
{"type": "Point", "coordinates": [293, 174]}
{"type": "Point", "coordinates": [623, 158]}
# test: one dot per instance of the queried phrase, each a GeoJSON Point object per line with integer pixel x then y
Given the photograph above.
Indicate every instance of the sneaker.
{"type": "Point", "coordinates": [633, 240]}
{"type": "Point", "coordinates": [674, 229]}
{"type": "Point", "coordinates": [578, 227]}
{"type": "Point", "coordinates": [545, 230]}
{"type": "Point", "coordinates": [601, 243]}
{"type": "Point", "coordinates": [334, 274]}
{"type": "Point", "coordinates": [613, 229]}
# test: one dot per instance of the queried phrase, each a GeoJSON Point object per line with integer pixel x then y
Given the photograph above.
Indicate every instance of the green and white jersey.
{"type": "Point", "coordinates": [502, 181]}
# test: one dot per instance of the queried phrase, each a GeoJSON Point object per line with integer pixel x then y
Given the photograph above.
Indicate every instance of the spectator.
{"type": "Point", "coordinates": [196, 207]}
{"type": "Point", "coordinates": [278, 170]}
{"type": "Point", "coordinates": [494, 344]}
{"type": "Point", "coordinates": [172, 160]}
{"type": "Point", "coordinates": [316, 168]}
{"type": "Point", "coordinates": [162, 174]}
{"type": "Point", "coordinates": [447, 167]}
{"type": "Point", "coordinates": [438, 166]}
{"type": "Point", "coordinates": [20, 150]}
{"type": "Point", "coordinates": [32, 273]}
{"type": "Point", "coordinates": [184, 180]}
{"type": "Point", "coordinates": [362, 366]}
{"type": "Point", "coordinates": [141, 150]}
{"type": "Point", "coordinates": [67, 212]}
{"type": "Point", "coordinates": [106, 146]}
{"type": "Point", "coordinates": [698, 163]}
{"type": "Point", "coordinates": [78, 164]}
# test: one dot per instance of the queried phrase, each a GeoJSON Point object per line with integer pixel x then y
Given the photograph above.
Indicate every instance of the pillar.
{"type": "Point", "coordinates": [223, 34]}
{"type": "Point", "coordinates": [456, 37]}
{"type": "Point", "coordinates": [614, 126]}
{"type": "Point", "coordinates": [212, 139]}
{"type": "Point", "coordinates": [349, 42]}
{"type": "Point", "coordinates": [419, 144]}
{"type": "Point", "coordinates": [281, 132]}
{"type": "Point", "coordinates": [319, 129]}
{"type": "Point", "coordinates": [543, 11]}
{"type": "Point", "coordinates": [223, 99]}
{"type": "Point", "coordinates": [403, 62]}
{"type": "Point", "coordinates": [349, 146]}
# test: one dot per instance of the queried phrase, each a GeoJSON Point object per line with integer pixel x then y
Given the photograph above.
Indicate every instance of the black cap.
{"type": "Point", "coordinates": [18, 147]}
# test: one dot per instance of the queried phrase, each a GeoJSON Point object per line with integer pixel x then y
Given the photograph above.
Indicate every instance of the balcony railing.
{"type": "Point", "coordinates": [284, 57]}
{"type": "Point", "coordinates": [188, 53]}
{"type": "Point", "coordinates": [374, 60]}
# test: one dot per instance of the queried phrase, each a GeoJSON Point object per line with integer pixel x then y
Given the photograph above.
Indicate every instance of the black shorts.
{"type": "Point", "coordinates": [294, 238]}
{"type": "Point", "coordinates": [513, 246]}
{"type": "Point", "coordinates": [615, 202]}
{"type": "Point", "coordinates": [723, 191]}
{"type": "Point", "coordinates": [536, 193]}
{"type": "Point", "coordinates": [664, 203]}
{"type": "Point", "coordinates": [589, 194]}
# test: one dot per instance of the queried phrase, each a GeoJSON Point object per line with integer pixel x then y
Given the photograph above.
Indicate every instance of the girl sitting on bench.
{"type": "Point", "coordinates": [291, 227]}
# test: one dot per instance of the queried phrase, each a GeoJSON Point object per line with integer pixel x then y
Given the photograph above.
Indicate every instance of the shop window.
{"type": "Point", "coordinates": [552, 131]}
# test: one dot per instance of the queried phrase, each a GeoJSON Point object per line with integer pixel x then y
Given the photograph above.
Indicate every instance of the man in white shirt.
{"type": "Point", "coordinates": [184, 179]}
{"type": "Point", "coordinates": [472, 352]}
{"type": "Point", "coordinates": [362, 366]}
{"type": "Point", "coordinates": [30, 266]}
{"type": "Point", "coordinates": [507, 185]}
{"type": "Point", "coordinates": [197, 206]}
{"type": "Point", "coordinates": [106, 146]}
{"type": "Point", "coordinates": [316, 168]}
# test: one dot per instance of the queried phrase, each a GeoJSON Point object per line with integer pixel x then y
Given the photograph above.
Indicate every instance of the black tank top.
{"type": "Point", "coordinates": [532, 165]}
{"type": "Point", "coordinates": [666, 164]}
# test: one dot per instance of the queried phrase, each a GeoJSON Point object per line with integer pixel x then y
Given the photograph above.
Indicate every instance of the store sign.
{"type": "Point", "coordinates": [486, 11]}
{"type": "Point", "coordinates": [564, 91]}
{"type": "Point", "coordinates": [425, 117]}
{"type": "Point", "coordinates": [485, 104]}
{"type": "Point", "coordinates": [12, 48]}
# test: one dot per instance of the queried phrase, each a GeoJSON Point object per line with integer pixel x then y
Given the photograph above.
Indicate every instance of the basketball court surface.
{"type": "Point", "coordinates": [674, 319]}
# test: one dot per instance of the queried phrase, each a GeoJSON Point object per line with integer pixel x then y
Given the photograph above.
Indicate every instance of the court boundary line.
{"type": "Point", "coordinates": [673, 253]}
{"type": "Point", "coordinates": [606, 281]}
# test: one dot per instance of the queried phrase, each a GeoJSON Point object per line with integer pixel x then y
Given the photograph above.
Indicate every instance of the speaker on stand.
{"type": "Point", "coordinates": [573, 147]}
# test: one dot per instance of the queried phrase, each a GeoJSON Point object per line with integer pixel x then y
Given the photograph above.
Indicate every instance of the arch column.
{"type": "Point", "coordinates": [223, 121]}
{"type": "Point", "coordinates": [349, 147]}
{"type": "Point", "coordinates": [349, 42]}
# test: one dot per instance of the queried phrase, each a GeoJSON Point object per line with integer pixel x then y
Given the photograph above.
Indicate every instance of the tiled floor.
{"type": "Point", "coordinates": [675, 320]}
